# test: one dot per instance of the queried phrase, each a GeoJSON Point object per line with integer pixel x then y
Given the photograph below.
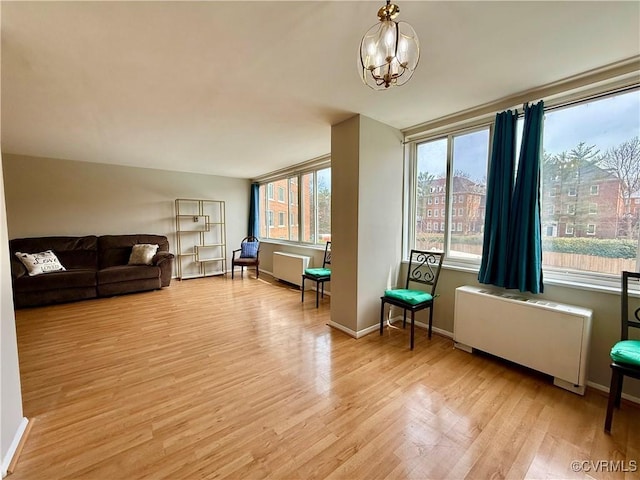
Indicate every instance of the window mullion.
{"type": "Point", "coordinates": [411, 199]}
{"type": "Point", "coordinates": [447, 197]}
{"type": "Point", "coordinates": [299, 207]}
{"type": "Point", "coordinates": [315, 208]}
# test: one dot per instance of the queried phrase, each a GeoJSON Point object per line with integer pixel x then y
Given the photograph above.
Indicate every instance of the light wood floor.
{"type": "Point", "coordinates": [213, 378]}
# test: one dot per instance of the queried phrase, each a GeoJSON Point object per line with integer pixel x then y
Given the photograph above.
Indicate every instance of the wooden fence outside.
{"type": "Point", "coordinates": [572, 261]}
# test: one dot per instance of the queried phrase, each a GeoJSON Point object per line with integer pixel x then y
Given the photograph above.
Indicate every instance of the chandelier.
{"type": "Point", "coordinates": [389, 51]}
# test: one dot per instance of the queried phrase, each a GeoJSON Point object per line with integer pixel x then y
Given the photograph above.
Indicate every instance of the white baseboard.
{"type": "Point", "coordinates": [602, 388]}
{"type": "Point", "coordinates": [353, 333]}
{"type": "Point", "coordinates": [439, 331]}
{"type": "Point", "coordinates": [376, 327]}
{"type": "Point", "coordinates": [342, 328]}
{"type": "Point", "coordinates": [6, 461]}
{"type": "Point", "coordinates": [367, 331]}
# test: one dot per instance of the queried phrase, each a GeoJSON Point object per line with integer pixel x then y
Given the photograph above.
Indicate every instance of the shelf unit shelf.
{"type": "Point", "coordinates": [206, 218]}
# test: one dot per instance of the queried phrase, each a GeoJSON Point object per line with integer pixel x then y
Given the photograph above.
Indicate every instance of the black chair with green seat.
{"type": "Point", "coordinates": [319, 275]}
{"type": "Point", "coordinates": [424, 268]}
{"type": "Point", "coordinates": [625, 354]}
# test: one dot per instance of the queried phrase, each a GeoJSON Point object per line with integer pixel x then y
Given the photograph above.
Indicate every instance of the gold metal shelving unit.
{"type": "Point", "coordinates": [201, 242]}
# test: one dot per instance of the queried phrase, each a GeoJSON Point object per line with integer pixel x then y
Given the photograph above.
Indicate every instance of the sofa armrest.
{"type": "Point", "coordinates": [17, 268]}
{"type": "Point", "coordinates": [161, 257]}
{"type": "Point", "coordinates": [164, 260]}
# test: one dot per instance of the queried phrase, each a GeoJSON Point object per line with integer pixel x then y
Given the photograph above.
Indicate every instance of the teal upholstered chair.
{"type": "Point", "coordinates": [319, 275]}
{"type": "Point", "coordinates": [424, 269]}
{"type": "Point", "coordinates": [625, 354]}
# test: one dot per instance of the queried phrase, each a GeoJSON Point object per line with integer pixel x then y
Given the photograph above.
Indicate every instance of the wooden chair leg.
{"type": "Point", "coordinates": [302, 289]}
{"type": "Point", "coordinates": [404, 318]}
{"type": "Point", "coordinates": [613, 389]}
{"type": "Point", "coordinates": [412, 326]}
{"type": "Point", "coordinates": [317, 294]}
{"type": "Point", "coordinates": [257, 272]}
{"type": "Point", "coordinates": [381, 316]}
{"type": "Point", "coordinates": [233, 268]}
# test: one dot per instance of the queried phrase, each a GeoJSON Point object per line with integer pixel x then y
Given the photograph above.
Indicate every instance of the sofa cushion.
{"type": "Point", "coordinates": [142, 254]}
{"type": "Point", "coordinates": [48, 297]}
{"type": "Point", "coordinates": [127, 273]}
{"type": "Point", "coordinates": [77, 278]}
{"type": "Point", "coordinates": [121, 288]}
{"type": "Point", "coordinates": [115, 249]}
{"type": "Point", "coordinates": [73, 252]}
{"type": "Point", "coordinates": [40, 262]}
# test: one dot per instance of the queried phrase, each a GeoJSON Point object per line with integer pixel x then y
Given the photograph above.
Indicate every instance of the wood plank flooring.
{"type": "Point", "coordinates": [214, 378]}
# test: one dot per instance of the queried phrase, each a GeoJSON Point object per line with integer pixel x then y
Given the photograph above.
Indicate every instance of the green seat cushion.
{"type": "Point", "coordinates": [412, 297]}
{"type": "Point", "coordinates": [626, 351]}
{"type": "Point", "coordinates": [317, 272]}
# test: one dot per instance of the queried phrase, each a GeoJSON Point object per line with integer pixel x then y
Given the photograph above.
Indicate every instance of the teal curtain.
{"type": "Point", "coordinates": [495, 255]}
{"type": "Point", "coordinates": [254, 210]}
{"type": "Point", "coordinates": [525, 240]}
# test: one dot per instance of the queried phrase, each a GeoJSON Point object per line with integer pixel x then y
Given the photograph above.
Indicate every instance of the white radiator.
{"type": "Point", "coordinates": [289, 267]}
{"type": "Point", "coordinates": [546, 336]}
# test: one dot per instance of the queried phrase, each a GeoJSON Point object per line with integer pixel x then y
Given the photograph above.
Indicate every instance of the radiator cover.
{"type": "Point", "coordinates": [289, 267]}
{"type": "Point", "coordinates": [550, 337]}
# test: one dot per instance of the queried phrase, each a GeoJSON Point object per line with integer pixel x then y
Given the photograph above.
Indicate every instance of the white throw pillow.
{"type": "Point", "coordinates": [42, 262]}
{"type": "Point", "coordinates": [142, 254]}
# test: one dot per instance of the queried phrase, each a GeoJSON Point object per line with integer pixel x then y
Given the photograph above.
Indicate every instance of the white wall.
{"type": "Point", "coordinates": [48, 197]}
{"type": "Point", "coordinates": [266, 255]}
{"type": "Point", "coordinates": [12, 422]}
{"type": "Point", "coordinates": [345, 151]}
{"type": "Point", "coordinates": [379, 216]}
{"type": "Point", "coordinates": [366, 219]}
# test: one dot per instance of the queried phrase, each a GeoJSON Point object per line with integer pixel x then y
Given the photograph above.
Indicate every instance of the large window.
{"type": "Point", "coordinates": [303, 206]}
{"type": "Point", "coordinates": [592, 148]}
{"type": "Point", "coordinates": [590, 187]}
{"type": "Point", "coordinates": [465, 156]}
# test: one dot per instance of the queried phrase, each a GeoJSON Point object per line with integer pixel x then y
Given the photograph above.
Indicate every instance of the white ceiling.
{"type": "Point", "coordinates": [244, 88]}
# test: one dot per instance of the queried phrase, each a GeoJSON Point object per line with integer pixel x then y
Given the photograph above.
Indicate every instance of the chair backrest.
{"type": "Point", "coordinates": [250, 238]}
{"type": "Point", "coordinates": [248, 248]}
{"type": "Point", "coordinates": [327, 255]}
{"type": "Point", "coordinates": [424, 267]}
{"type": "Point", "coordinates": [626, 321]}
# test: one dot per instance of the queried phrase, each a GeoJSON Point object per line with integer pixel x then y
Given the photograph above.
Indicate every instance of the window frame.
{"type": "Point", "coordinates": [588, 280]}
{"type": "Point", "coordinates": [411, 165]}
{"type": "Point", "coordinates": [298, 172]}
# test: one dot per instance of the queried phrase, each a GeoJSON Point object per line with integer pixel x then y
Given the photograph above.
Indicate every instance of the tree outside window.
{"type": "Point", "coordinates": [591, 150]}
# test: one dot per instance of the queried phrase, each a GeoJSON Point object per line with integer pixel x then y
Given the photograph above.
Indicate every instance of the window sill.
{"type": "Point", "coordinates": [599, 283]}
{"type": "Point", "coordinates": [289, 243]}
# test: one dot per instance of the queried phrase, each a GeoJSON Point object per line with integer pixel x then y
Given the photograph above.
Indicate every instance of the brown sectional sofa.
{"type": "Point", "coordinates": [95, 267]}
